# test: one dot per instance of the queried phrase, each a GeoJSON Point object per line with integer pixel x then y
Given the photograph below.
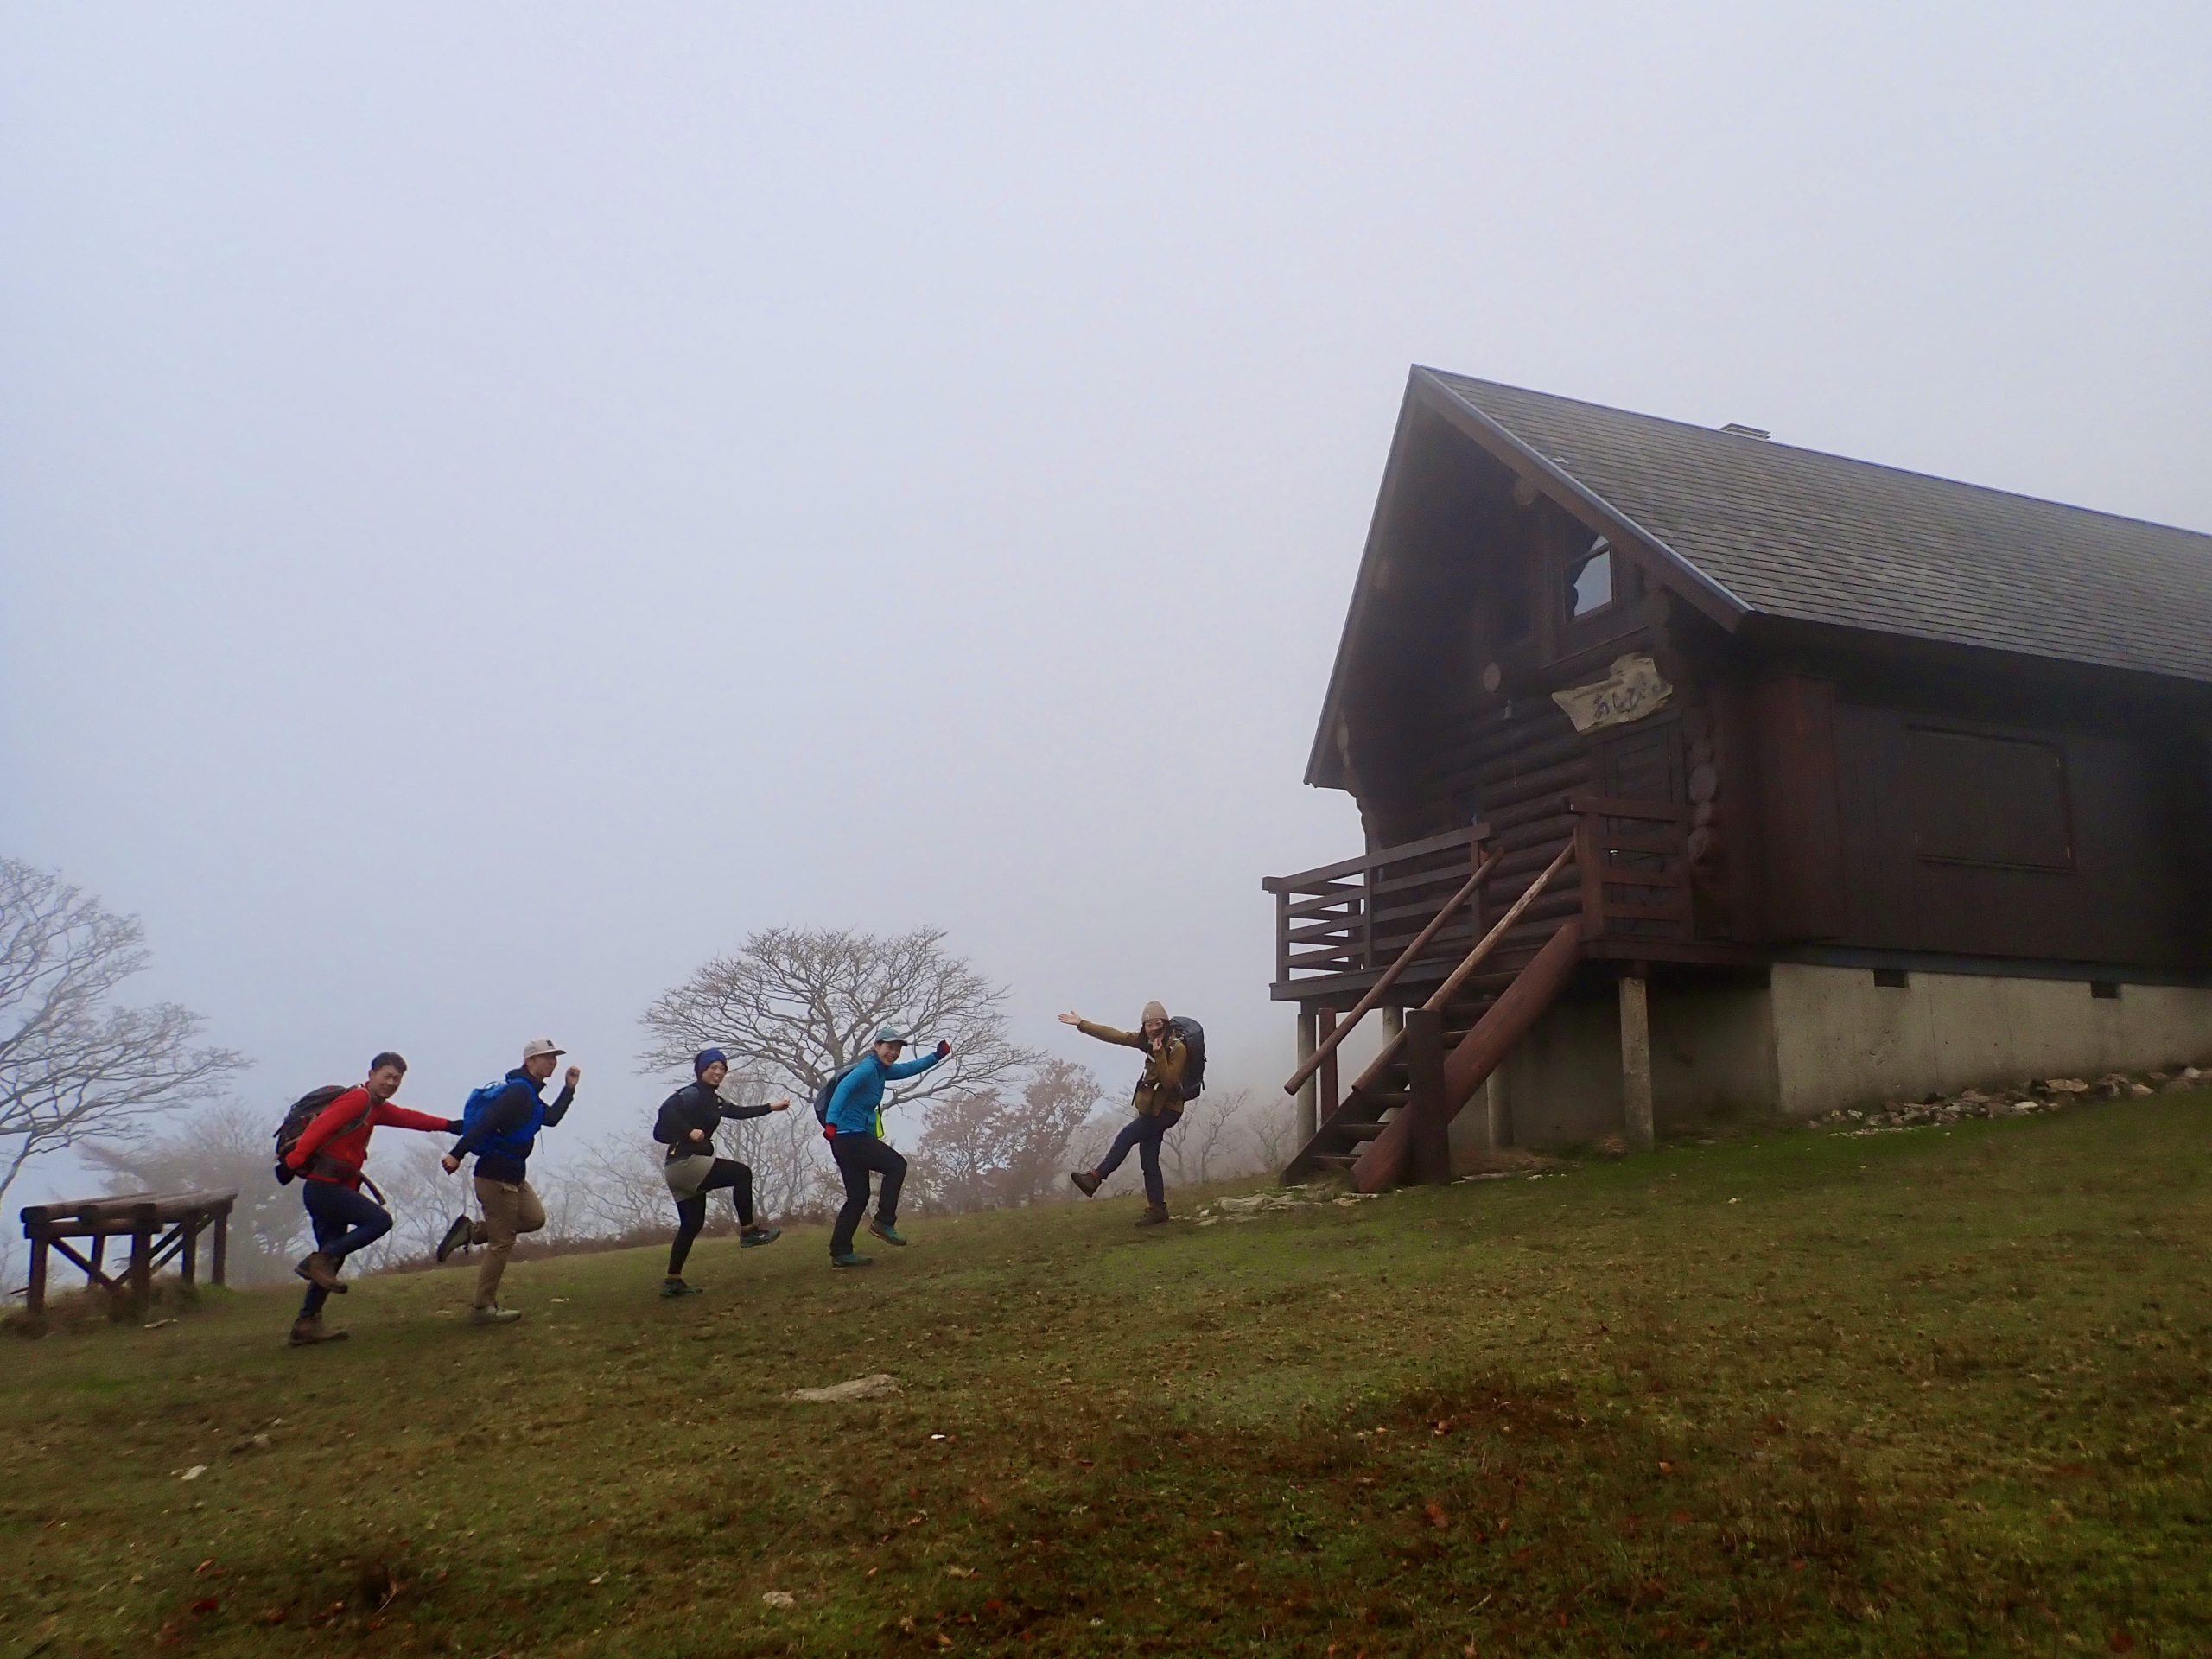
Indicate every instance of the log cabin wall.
{"type": "Point", "coordinates": [1979, 814]}
{"type": "Point", "coordinates": [1480, 736]}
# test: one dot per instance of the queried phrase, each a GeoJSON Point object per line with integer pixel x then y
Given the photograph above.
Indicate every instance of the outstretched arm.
{"type": "Point", "coordinates": [403, 1117]}
{"type": "Point", "coordinates": [1104, 1034]}
{"type": "Point", "coordinates": [914, 1068]}
{"type": "Point", "coordinates": [733, 1113]}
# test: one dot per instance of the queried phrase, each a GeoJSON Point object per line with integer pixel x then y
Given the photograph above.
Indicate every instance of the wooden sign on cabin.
{"type": "Point", "coordinates": [1631, 690]}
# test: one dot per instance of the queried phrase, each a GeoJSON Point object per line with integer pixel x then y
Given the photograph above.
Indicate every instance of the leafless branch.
{"type": "Point", "coordinates": [74, 1070]}
{"type": "Point", "coordinates": [795, 1005]}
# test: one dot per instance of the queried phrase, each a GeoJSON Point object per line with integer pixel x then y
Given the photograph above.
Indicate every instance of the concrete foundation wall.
{"type": "Point", "coordinates": [1712, 1055]}
{"type": "Point", "coordinates": [1842, 1040]}
{"type": "Point", "coordinates": [1814, 1038]}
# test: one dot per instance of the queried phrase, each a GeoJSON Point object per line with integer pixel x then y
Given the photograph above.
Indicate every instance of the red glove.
{"type": "Point", "coordinates": [944, 1048]}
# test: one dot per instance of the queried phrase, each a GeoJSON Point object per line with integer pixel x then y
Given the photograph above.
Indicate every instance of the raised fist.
{"type": "Point", "coordinates": [944, 1048]}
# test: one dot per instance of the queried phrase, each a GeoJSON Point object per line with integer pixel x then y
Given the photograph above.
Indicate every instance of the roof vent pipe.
{"type": "Point", "coordinates": [1743, 431]}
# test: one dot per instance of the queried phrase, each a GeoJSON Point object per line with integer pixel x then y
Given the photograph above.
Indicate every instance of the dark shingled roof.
{"type": "Point", "coordinates": [1796, 533]}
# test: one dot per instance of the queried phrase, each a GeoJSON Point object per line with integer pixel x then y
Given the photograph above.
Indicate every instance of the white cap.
{"type": "Point", "coordinates": [541, 1045]}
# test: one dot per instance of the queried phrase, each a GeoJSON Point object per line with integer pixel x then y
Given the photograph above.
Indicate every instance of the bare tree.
{"type": "Point", "coordinates": [74, 1069]}
{"type": "Point", "coordinates": [955, 1160]}
{"type": "Point", "coordinates": [619, 1187]}
{"type": "Point", "coordinates": [1204, 1147]}
{"type": "Point", "coordinates": [227, 1148]}
{"type": "Point", "coordinates": [796, 1005]}
{"type": "Point", "coordinates": [1035, 1135]}
{"type": "Point", "coordinates": [1273, 1129]}
{"type": "Point", "coordinates": [987, 1147]}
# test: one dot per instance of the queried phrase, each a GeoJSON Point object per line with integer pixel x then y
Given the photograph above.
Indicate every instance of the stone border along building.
{"type": "Point", "coordinates": [1702, 773]}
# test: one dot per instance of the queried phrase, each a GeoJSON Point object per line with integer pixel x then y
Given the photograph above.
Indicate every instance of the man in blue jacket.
{"type": "Point", "coordinates": [855, 1121]}
{"type": "Point", "coordinates": [502, 1134]}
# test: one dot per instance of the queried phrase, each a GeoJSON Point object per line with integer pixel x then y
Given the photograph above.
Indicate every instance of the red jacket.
{"type": "Point", "coordinates": [341, 1134]}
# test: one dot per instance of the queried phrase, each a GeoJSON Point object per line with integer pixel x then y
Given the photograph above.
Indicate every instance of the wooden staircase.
{"type": "Point", "coordinates": [1629, 901]}
{"type": "Point", "coordinates": [1395, 1116]}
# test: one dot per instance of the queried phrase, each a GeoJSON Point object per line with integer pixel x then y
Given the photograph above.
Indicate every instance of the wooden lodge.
{"type": "Point", "coordinates": [1703, 774]}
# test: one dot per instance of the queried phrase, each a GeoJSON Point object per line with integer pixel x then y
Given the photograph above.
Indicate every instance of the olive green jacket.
{"type": "Point", "coordinates": [1161, 1087]}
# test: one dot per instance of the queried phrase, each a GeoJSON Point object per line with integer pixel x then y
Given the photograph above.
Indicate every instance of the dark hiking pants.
{"type": "Point", "coordinates": [345, 1221]}
{"type": "Point", "coordinates": [691, 1212]}
{"type": "Point", "coordinates": [1145, 1133]}
{"type": "Point", "coordinates": [857, 1155]}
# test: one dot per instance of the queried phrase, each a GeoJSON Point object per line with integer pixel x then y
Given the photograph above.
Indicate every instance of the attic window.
{"type": "Point", "coordinates": [1590, 580]}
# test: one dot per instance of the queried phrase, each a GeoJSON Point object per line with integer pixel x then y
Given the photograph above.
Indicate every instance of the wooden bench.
{"type": "Point", "coordinates": [161, 1226]}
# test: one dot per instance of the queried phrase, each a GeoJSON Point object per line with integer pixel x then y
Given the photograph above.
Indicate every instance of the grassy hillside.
{"type": "Point", "coordinates": [1943, 1391]}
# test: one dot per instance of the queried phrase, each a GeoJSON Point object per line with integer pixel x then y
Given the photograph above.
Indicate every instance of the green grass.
{"type": "Point", "coordinates": [1938, 1392]}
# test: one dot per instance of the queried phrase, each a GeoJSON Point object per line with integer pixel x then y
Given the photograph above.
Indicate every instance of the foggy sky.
{"type": "Point", "coordinates": [498, 502]}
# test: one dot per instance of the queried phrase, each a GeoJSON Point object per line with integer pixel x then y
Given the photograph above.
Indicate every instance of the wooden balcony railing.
{"type": "Point", "coordinates": [1357, 915]}
{"type": "Point", "coordinates": [1359, 924]}
{"type": "Point", "coordinates": [1634, 860]}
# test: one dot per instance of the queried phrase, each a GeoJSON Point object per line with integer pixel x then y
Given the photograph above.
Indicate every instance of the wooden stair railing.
{"type": "Point", "coordinates": [1371, 1112]}
{"type": "Point", "coordinates": [1383, 1161]}
{"type": "Point", "coordinates": [1366, 1005]}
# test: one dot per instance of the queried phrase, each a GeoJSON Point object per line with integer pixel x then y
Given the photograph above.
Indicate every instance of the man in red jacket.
{"type": "Point", "coordinates": [328, 1156]}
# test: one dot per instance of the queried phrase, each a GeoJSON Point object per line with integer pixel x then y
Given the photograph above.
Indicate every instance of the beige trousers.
{"type": "Point", "coordinates": [510, 1207]}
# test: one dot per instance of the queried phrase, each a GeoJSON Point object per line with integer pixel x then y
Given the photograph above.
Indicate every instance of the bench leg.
{"type": "Point", "coordinates": [142, 1271]}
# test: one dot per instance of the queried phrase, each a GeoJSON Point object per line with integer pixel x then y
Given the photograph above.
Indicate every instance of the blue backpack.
{"type": "Point", "coordinates": [516, 1143]}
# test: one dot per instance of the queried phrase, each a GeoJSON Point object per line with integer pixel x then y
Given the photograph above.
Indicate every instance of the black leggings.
{"type": "Point", "coordinates": [691, 1212]}
{"type": "Point", "coordinates": [857, 1155]}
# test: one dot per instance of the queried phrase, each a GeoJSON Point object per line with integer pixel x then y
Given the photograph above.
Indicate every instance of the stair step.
{"type": "Point", "coordinates": [1359, 1131]}
{"type": "Point", "coordinates": [1383, 1099]}
{"type": "Point", "coordinates": [1336, 1160]}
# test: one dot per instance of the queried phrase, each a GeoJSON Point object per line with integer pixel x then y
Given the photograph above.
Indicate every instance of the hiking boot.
{"type": "Point", "coordinates": [494, 1315]}
{"type": "Point", "coordinates": [676, 1287]}
{"type": "Point", "coordinates": [308, 1330]}
{"type": "Point", "coordinates": [884, 1230]}
{"type": "Point", "coordinates": [322, 1270]}
{"type": "Point", "coordinates": [752, 1235]}
{"type": "Point", "coordinates": [1086, 1181]}
{"type": "Point", "coordinates": [456, 1235]}
{"type": "Point", "coordinates": [1154, 1215]}
{"type": "Point", "coordinates": [849, 1260]}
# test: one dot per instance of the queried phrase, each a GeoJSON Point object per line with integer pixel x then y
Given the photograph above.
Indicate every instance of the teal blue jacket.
{"type": "Point", "coordinates": [853, 1109]}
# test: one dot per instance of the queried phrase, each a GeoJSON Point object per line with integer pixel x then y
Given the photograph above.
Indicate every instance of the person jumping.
{"type": "Point", "coordinates": [1158, 1100]}
{"type": "Point", "coordinates": [855, 1123]}
{"type": "Point", "coordinates": [504, 1132]}
{"type": "Point", "coordinates": [328, 1156]}
{"type": "Point", "coordinates": [686, 1127]}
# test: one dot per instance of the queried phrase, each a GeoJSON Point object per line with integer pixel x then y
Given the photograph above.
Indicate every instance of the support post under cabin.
{"type": "Point", "coordinates": [1635, 1059]}
{"type": "Point", "coordinates": [1329, 1096]}
{"type": "Point", "coordinates": [1431, 1156]}
{"type": "Point", "coordinates": [1309, 1123]}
